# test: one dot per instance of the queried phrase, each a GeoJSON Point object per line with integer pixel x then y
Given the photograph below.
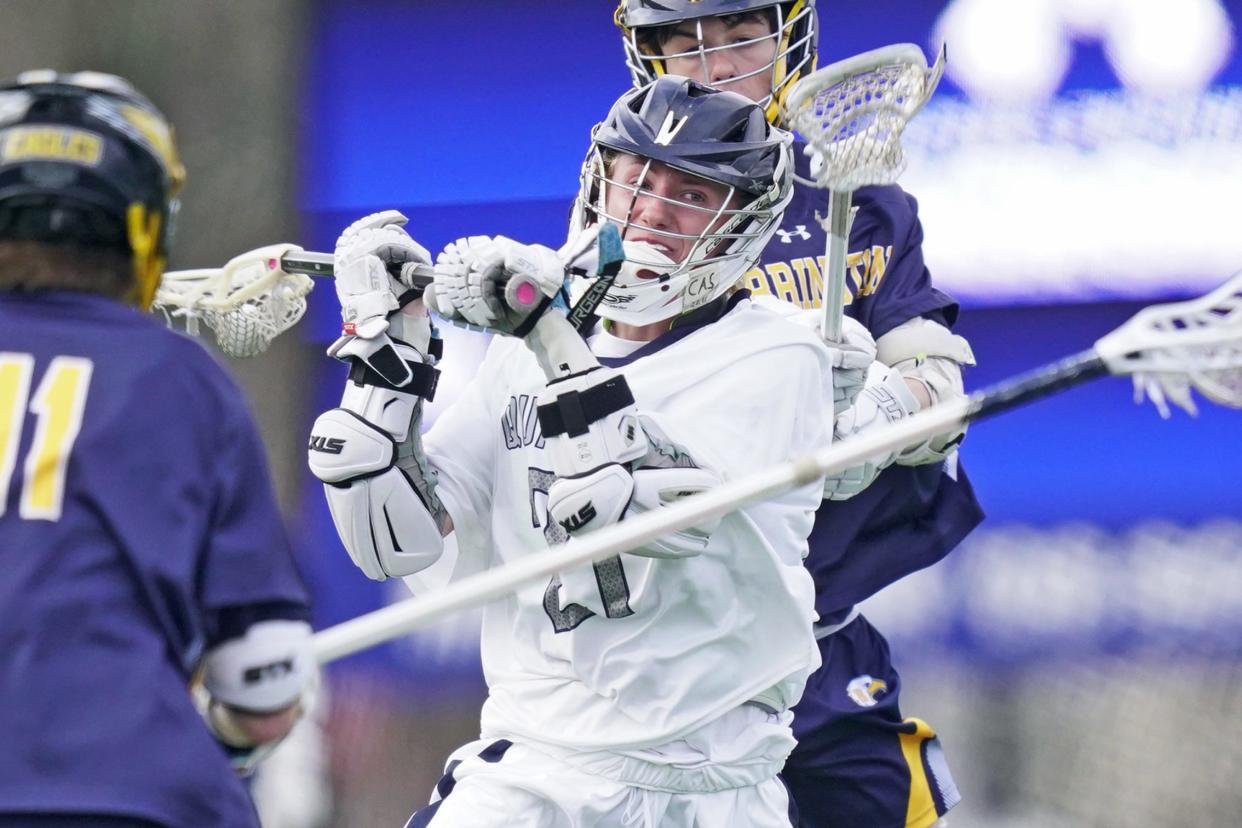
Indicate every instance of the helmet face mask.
{"type": "Point", "coordinates": [789, 44]}
{"type": "Point", "coordinates": [86, 159]}
{"type": "Point", "coordinates": [697, 182]}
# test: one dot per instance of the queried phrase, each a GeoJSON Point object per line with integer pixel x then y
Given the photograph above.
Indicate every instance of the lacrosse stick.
{"type": "Point", "coordinates": [261, 294]}
{"type": "Point", "coordinates": [1168, 350]}
{"type": "Point", "coordinates": [255, 297]}
{"type": "Point", "coordinates": [852, 114]}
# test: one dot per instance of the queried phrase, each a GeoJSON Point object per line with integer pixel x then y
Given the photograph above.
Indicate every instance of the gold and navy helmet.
{"type": "Point", "coordinates": [795, 30]}
{"type": "Point", "coordinates": [86, 159]}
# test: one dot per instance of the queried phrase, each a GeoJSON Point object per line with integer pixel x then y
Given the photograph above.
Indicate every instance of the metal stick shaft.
{"type": "Point", "coordinates": [321, 264]}
{"type": "Point", "coordinates": [836, 250]}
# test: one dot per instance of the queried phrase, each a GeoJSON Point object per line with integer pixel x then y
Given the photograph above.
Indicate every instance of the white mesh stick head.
{"type": "Point", "coordinates": [247, 303]}
{"type": "Point", "coordinates": [1175, 347]}
{"type": "Point", "coordinates": [852, 113]}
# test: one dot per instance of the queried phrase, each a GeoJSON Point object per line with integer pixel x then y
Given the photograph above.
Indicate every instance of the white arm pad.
{"type": "Point", "coordinates": [654, 488]}
{"type": "Point", "coordinates": [382, 520]}
{"type": "Point", "coordinates": [379, 488]}
{"type": "Point", "coordinates": [593, 435]}
{"type": "Point", "coordinates": [265, 670]}
{"type": "Point", "coordinates": [930, 354]}
{"type": "Point", "coordinates": [384, 526]}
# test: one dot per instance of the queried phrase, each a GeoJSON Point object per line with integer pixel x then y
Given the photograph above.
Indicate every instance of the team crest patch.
{"type": "Point", "coordinates": [866, 691]}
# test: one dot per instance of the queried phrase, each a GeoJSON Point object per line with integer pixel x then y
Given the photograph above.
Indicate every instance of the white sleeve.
{"type": "Point", "coordinates": [461, 448]}
{"type": "Point", "coordinates": [767, 410]}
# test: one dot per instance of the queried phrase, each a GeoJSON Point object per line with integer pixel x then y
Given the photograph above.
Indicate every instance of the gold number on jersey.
{"type": "Point", "coordinates": [58, 404]}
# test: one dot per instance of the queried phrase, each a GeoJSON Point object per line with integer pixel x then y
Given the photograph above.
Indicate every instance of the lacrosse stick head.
{"type": "Point", "coordinates": [246, 304]}
{"type": "Point", "coordinates": [1172, 349]}
{"type": "Point", "coordinates": [853, 112]}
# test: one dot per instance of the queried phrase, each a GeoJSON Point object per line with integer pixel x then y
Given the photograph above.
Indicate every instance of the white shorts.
{"type": "Point", "coordinates": [510, 785]}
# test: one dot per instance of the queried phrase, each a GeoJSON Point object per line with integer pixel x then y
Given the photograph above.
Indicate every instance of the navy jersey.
{"type": "Point", "coordinates": [909, 518]}
{"type": "Point", "coordinates": [137, 529]}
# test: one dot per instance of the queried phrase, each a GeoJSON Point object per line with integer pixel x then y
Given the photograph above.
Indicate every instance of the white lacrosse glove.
{"type": "Point", "coordinates": [496, 283]}
{"type": "Point", "coordinates": [885, 399]}
{"type": "Point", "coordinates": [851, 357]}
{"type": "Point", "coordinates": [370, 294]}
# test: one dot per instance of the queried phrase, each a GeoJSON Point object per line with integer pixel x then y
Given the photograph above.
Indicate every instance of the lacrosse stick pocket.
{"type": "Point", "coordinates": [246, 304]}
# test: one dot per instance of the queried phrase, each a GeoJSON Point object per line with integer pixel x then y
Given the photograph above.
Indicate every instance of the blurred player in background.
{"type": "Point", "coordinates": [859, 763]}
{"type": "Point", "coordinates": [651, 689]}
{"type": "Point", "coordinates": [140, 540]}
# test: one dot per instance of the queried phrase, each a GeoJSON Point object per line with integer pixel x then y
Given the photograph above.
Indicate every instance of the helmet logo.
{"type": "Point", "coordinates": [668, 130]}
{"type": "Point", "coordinates": [51, 144]}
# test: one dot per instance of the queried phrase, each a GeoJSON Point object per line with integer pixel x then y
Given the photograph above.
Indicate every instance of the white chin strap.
{"type": "Point", "coordinates": [648, 289]}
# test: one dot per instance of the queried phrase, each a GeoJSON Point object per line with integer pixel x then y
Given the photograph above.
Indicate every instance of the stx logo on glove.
{"type": "Point", "coordinates": [327, 445]}
{"type": "Point", "coordinates": [584, 516]}
{"type": "Point", "coordinates": [265, 672]}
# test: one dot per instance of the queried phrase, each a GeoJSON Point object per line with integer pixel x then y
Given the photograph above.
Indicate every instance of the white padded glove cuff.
{"type": "Point", "coordinates": [263, 671]}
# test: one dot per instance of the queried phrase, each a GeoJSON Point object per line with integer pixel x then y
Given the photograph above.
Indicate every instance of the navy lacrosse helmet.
{"type": "Point", "coordinates": [721, 137]}
{"type": "Point", "coordinates": [86, 159]}
{"type": "Point", "coordinates": [794, 30]}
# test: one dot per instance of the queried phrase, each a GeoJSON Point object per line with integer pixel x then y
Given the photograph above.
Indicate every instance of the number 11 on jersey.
{"type": "Point", "coordinates": [58, 405]}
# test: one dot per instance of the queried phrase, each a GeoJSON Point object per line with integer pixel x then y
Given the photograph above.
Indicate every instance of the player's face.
{"type": "Point", "coordinates": [665, 207]}
{"type": "Point", "coordinates": [736, 53]}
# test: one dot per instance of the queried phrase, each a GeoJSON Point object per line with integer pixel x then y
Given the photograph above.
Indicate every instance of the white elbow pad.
{"type": "Point", "coordinates": [265, 670]}
{"type": "Point", "coordinates": [930, 354]}
{"type": "Point", "coordinates": [384, 525]}
{"type": "Point", "coordinates": [387, 521]}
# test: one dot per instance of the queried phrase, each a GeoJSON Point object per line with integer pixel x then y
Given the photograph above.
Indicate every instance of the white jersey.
{"type": "Point", "coordinates": [635, 652]}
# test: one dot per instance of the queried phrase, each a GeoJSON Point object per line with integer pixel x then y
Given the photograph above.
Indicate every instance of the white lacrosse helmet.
{"type": "Point", "coordinates": [721, 137]}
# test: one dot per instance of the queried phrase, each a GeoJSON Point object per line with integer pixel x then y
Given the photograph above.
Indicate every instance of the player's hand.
{"type": "Point", "coordinates": [885, 399]}
{"type": "Point", "coordinates": [495, 283]}
{"type": "Point", "coordinates": [851, 357]}
{"type": "Point", "coordinates": [369, 293]}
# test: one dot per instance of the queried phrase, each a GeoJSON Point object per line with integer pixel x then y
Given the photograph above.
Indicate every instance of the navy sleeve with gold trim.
{"type": "Point", "coordinates": [886, 280]}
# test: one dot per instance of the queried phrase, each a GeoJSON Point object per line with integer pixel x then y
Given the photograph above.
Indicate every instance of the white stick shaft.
{"type": "Point", "coordinates": [400, 619]}
{"type": "Point", "coordinates": [836, 250]}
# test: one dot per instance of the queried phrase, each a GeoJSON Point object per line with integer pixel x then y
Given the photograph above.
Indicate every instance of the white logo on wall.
{"type": "Point", "coordinates": [1020, 50]}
